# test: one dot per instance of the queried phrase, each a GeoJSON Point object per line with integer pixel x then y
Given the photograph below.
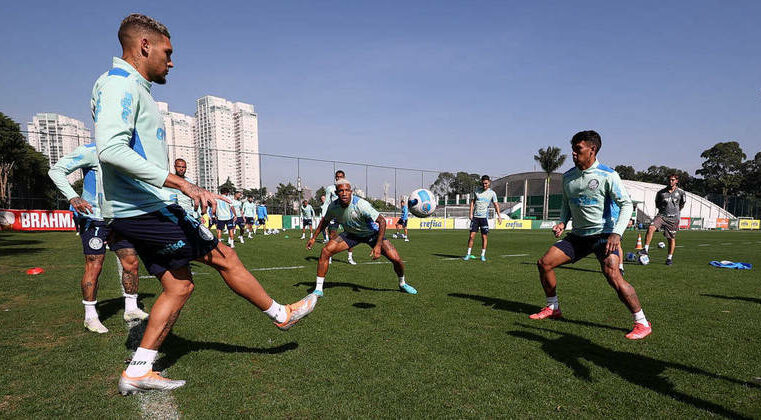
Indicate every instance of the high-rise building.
{"type": "Point", "coordinates": [180, 139]}
{"type": "Point", "coordinates": [227, 139]}
{"type": "Point", "coordinates": [56, 135]}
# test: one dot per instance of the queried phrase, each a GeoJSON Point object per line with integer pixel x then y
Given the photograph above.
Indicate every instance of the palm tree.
{"type": "Point", "coordinates": [550, 160]}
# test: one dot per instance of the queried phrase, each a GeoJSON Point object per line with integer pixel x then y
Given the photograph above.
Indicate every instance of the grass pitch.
{"type": "Point", "coordinates": [462, 347]}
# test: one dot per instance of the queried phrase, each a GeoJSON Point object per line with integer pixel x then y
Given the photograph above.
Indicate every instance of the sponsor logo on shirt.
{"type": "Point", "coordinates": [160, 134]}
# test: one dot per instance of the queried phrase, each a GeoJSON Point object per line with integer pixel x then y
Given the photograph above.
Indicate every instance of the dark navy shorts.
{"type": "Point", "coordinates": [578, 247]}
{"type": "Point", "coordinates": [479, 223]}
{"type": "Point", "coordinates": [229, 223]}
{"type": "Point", "coordinates": [250, 220]}
{"type": "Point", "coordinates": [307, 222]}
{"type": "Point", "coordinates": [166, 239]}
{"type": "Point", "coordinates": [240, 221]}
{"type": "Point", "coordinates": [95, 234]}
{"type": "Point", "coordinates": [353, 240]}
{"type": "Point", "coordinates": [261, 221]}
{"type": "Point", "coordinates": [402, 222]}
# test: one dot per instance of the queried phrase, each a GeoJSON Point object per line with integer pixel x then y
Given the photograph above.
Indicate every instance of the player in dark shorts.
{"type": "Point", "coordinates": [669, 202]}
{"type": "Point", "coordinates": [402, 221]}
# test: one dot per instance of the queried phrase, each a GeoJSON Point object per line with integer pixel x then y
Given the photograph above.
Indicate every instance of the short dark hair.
{"type": "Point", "coordinates": [590, 137]}
{"type": "Point", "coordinates": [224, 190]}
{"type": "Point", "coordinates": [485, 178]}
{"type": "Point", "coordinates": [675, 175]}
{"type": "Point", "coordinates": [143, 23]}
{"type": "Point", "coordinates": [340, 172]}
{"type": "Point", "coordinates": [180, 160]}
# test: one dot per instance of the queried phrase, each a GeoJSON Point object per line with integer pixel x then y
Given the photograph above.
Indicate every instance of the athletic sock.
{"type": "Point", "coordinates": [130, 302]}
{"type": "Point", "coordinates": [669, 257]}
{"type": "Point", "coordinates": [90, 311]}
{"type": "Point", "coordinates": [647, 247]}
{"type": "Point", "coordinates": [401, 281]}
{"type": "Point", "coordinates": [350, 255]}
{"type": "Point", "coordinates": [640, 317]}
{"type": "Point", "coordinates": [318, 283]}
{"type": "Point", "coordinates": [483, 252]}
{"type": "Point", "coordinates": [552, 302]}
{"type": "Point", "coordinates": [620, 266]}
{"type": "Point", "coordinates": [277, 312]}
{"type": "Point", "coordinates": [468, 251]}
{"type": "Point", "coordinates": [142, 362]}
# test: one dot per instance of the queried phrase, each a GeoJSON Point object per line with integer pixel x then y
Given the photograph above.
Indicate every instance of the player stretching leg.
{"type": "Point", "coordinates": [94, 233]}
{"type": "Point", "coordinates": [479, 212]}
{"type": "Point", "coordinates": [307, 214]}
{"type": "Point", "coordinates": [669, 202]}
{"type": "Point", "coordinates": [249, 212]}
{"type": "Point", "coordinates": [362, 224]}
{"type": "Point", "coordinates": [240, 221]}
{"type": "Point", "coordinates": [330, 191]}
{"type": "Point", "coordinates": [402, 222]}
{"type": "Point", "coordinates": [129, 133]}
{"type": "Point", "coordinates": [589, 191]}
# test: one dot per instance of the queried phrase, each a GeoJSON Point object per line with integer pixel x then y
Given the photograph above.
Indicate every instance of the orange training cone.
{"type": "Point", "coordinates": [639, 241]}
{"type": "Point", "coordinates": [35, 270]}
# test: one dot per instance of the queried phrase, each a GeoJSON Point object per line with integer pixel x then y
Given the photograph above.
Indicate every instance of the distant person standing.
{"type": "Point", "coordinates": [307, 214]}
{"type": "Point", "coordinates": [237, 204]}
{"type": "Point", "coordinates": [180, 168]}
{"type": "Point", "coordinates": [226, 217]}
{"type": "Point", "coordinates": [402, 222]}
{"type": "Point", "coordinates": [479, 214]}
{"type": "Point", "coordinates": [669, 202]}
{"type": "Point", "coordinates": [323, 212]}
{"type": "Point", "coordinates": [249, 213]}
{"type": "Point", "coordinates": [261, 218]}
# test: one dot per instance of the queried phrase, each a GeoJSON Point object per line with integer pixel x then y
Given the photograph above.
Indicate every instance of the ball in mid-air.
{"type": "Point", "coordinates": [421, 203]}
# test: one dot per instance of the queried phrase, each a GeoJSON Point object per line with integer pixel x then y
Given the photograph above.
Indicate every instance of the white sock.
{"type": "Point", "coordinates": [640, 317]}
{"type": "Point", "coordinates": [552, 302]}
{"type": "Point", "coordinates": [620, 266]}
{"type": "Point", "coordinates": [90, 311]}
{"type": "Point", "coordinates": [647, 247]}
{"type": "Point", "coordinates": [142, 362]}
{"type": "Point", "coordinates": [483, 252]}
{"type": "Point", "coordinates": [318, 283]}
{"type": "Point", "coordinates": [401, 281]}
{"type": "Point", "coordinates": [669, 257]}
{"type": "Point", "coordinates": [468, 251]}
{"type": "Point", "coordinates": [130, 302]}
{"type": "Point", "coordinates": [277, 312]}
{"type": "Point", "coordinates": [350, 255]}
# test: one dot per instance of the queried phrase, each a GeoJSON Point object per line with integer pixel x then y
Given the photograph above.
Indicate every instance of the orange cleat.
{"type": "Point", "coordinates": [298, 310]}
{"type": "Point", "coordinates": [547, 312]}
{"type": "Point", "coordinates": [640, 331]}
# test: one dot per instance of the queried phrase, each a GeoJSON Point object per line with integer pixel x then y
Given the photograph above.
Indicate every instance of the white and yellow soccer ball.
{"type": "Point", "coordinates": [422, 203]}
{"type": "Point", "coordinates": [661, 245]}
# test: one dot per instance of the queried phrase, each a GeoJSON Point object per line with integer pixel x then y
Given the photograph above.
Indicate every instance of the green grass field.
{"type": "Point", "coordinates": [462, 347]}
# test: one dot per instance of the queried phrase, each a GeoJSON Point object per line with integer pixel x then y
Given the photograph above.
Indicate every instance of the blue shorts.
{"type": "Point", "coordinates": [250, 220]}
{"type": "Point", "coordinates": [578, 247]}
{"type": "Point", "coordinates": [353, 240]}
{"type": "Point", "coordinates": [479, 223]}
{"type": "Point", "coordinates": [401, 222]}
{"type": "Point", "coordinates": [166, 239]}
{"type": "Point", "coordinates": [95, 234]}
{"type": "Point", "coordinates": [229, 223]}
{"type": "Point", "coordinates": [306, 222]}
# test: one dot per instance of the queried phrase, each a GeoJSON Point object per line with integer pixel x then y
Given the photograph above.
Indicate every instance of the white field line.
{"type": "Point", "coordinates": [295, 267]}
{"type": "Point", "coordinates": [451, 258]}
{"type": "Point", "coordinates": [194, 274]}
{"type": "Point", "coordinates": [514, 255]}
{"type": "Point", "coordinates": [704, 245]}
{"type": "Point", "coordinates": [727, 243]}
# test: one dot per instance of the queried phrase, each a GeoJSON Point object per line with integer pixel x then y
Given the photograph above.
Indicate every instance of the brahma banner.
{"type": "Point", "coordinates": [36, 220]}
{"type": "Point", "coordinates": [684, 223]}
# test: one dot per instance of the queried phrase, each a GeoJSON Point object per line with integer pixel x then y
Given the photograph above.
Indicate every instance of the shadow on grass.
{"type": "Point", "coordinates": [643, 371]}
{"type": "Point", "coordinates": [313, 258]}
{"type": "Point", "coordinates": [18, 251]}
{"type": "Point", "coordinates": [528, 309]}
{"type": "Point", "coordinates": [742, 298]}
{"type": "Point", "coordinates": [14, 242]}
{"type": "Point", "coordinates": [175, 347]}
{"type": "Point", "coordinates": [110, 307]}
{"type": "Point", "coordinates": [447, 255]}
{"type": "Point", "coordinates": [565, 267]}
{"type": "Point", "coordinates": [352, 286]}
{"type": "Point", "coordinates": [363, 305]}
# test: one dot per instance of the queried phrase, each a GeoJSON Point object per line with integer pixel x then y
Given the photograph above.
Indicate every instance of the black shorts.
{"type": "Point", "coordinates": [479, 223]}
{"type": "Point", "coordinates": [250, 220]}
{"type": "Point", "coordinates": [261, 221]}
{"type": "Point", "coordinates": [240, 221]}
{"type": "Point", "coordinates": [307, 222]}
{"type": "Point", "coordinates": [578, 247]}
{"type": "Point", "coordinates": [401, 222]}
{"type": "Point", "coordinates": [166, 239]}
{"type": "Point", "coordinates": [95, 234]}
{"type": "Point", "coordinates": [229, 223]}
{"type": "Point", "coordinates": [353, 240]}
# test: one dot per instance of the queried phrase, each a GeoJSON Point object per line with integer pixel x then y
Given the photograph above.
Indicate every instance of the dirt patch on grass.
{"type": "Point", "coordinates": [9, 403]}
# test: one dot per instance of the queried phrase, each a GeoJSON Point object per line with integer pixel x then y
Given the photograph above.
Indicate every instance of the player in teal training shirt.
{"type": "Point", "coordinates": [362, 224]}
{"type": "Point", "coordinates": [307, 215]}
{"type": "Point", "coordinates": [480, 201]}
{"type": "Point", "coordinates": [131, 144]}
{"type": "Point", "coordinates": [595, 199]}
{"type": "Point", "coordinates": [249, 213]}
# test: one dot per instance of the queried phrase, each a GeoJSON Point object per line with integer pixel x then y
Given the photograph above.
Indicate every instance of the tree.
{"type": "Point", "coordinates": [465, 183]}
{"type": "Point", "coordinates": [626, 172]}
{"type": "Point", "coordinates": [550, 159]}
{"type": "Point", "coordinates": [381, 205]}
{"type": "Point", "coordinates": [228, 185]}
{"type": "Point", "coordinates": [78, 186]}
{"type": "Point", "coordinates": [259, 194]}
{"type": "Point", "coordinates": [751, 174]}
{"type": "Point", "coordinates": [283, 198]}
{"type": "Point", "coordinates": [12, 149]}
{"type": "Point", "coordinates": [443, 184]}
{"type": "Point", "coordinates": [722, 168]}
{"type": "Point", "coordinates": [315, 201]}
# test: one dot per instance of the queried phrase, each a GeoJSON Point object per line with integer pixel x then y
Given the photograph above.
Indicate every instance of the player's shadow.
{"type": "Point", "coordinates": [528, 309]}
{"type": "Point", "coordinates": [742, 298]}
{"type": "Point", "coordinates": [313, 258]}
{"type": "Point", "coordinates": [565, 267]}
{"type": "Point", "coordinates": [13, 242]}
{"type": "Point", "coordinates": [175, 347]}
{"type": "Point", "coordinates": [643, 371]}
{"type": "Point", "coordinates": [363, 305]}
{"type": "Point", "coordinates": [110, 307]}
{"type": "Point", "coordinates": [19, 251]}
{"type": "Point", "coordinates": [447, 255]}
{"type": "Point", "coordinates": [354, 287]}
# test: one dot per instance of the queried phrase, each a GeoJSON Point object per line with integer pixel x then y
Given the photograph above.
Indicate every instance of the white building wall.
{"type": "Point", "coordinates": [56, 135]}
{"type": "Point", "coordinates": [695, 206]}
{"type": "Point", "coordinates": [247, 145]}
{"type": "Point", "coordinates": [180, 139]}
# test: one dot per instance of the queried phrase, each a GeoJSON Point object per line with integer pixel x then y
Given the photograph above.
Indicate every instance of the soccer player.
{"type": "Point", "coordinates": [180, 168]}
{"type": "Point", "coordinates": [261, 218]}
{"type": "Point", "coordinates": [589, 191]}
{"type": "Point", "coordinates": [479, 213]}
{"type": "Point", "coordinates": [362, 224]}
{"type": "Point", "coordinates": [129, 134]}
{"type": "Point", "coordinates": [330, 192]}
{"type": "Point", "coordinates": [94, 233]}
{"type": "Point", "coordinates": [237, 204]}
{"type": "Point", "coordinates": [323, 212]}
{"type": "Point", "coordinates": [307, 214]}
{"type": "Point", "coordinates": [249, 212]}
{"type": "Point", "coordinates": [226, 217]}
{"type": "Point", "coordinates": [402, 222]}
{"type": "Point", "coordinates": [669, 202]}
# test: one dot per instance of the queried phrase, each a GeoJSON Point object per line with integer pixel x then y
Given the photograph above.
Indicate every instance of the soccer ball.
{"type": "Point", "coordinates": [631, 257]}
{"type": "Point", "coordinates": [661, 245]}
{"type": "Point", "coordinates": [421, 203]}
{"type": "Point", "coordinates": [644, 259]}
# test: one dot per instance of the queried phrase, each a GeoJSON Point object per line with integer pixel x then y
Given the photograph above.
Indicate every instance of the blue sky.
{"type": "Point", "coordinates": [473, 85]}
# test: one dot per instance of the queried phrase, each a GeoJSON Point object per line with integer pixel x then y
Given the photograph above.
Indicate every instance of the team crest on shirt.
{"type": "Point", "coordinates": [160, 134]}
{"type": "Point", "coordinates": [126, 106]}
{"type": "Point", "coordinates": [205, 233]}
{"type": "Point", "coordinates": [96, 243]}
{"type": "Point", "coordinates": [593, 184]}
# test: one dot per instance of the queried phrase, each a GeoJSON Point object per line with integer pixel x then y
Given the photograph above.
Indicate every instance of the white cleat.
{"type": "Point", "coordinates": [406, 240]}
{"type": "Point", "coordinates": [250, 236]}
{"type": "Point", "coordinates": [241, 240]}
{"type": "Point", "coordinates": [352, 262]}
{"type": "Point", "coordinates": [151, 381]}
{"type": "Point", "coordinates": [135, 315]}
{"type": "Point", "coordinates": [94, 325]}
{"type": "Point", "coordinates": [298, 310]}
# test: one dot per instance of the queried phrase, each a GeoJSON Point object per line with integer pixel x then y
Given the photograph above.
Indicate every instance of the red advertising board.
{"type": "Point", "coordinates": [722, 223]}
{"type": "Point", "coordinates": [35, 220]}
{"type": "Point", "coordinates": [390, 222]}
{"type": "Point", "coordinates": [684, 223]}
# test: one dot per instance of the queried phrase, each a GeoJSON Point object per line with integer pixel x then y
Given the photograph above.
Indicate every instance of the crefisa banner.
{"type": "Point", "coordinates": [36, 220]}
